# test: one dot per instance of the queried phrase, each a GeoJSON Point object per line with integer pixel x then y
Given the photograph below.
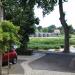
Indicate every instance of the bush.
{"type": "Point", "coordinates": [8, 35]}
{"type": "Point", "coordinates": [24, 52]}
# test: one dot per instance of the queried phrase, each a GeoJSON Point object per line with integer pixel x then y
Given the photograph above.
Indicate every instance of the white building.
{"type": "Point", "coordinates": [42, 34]}
{"type": "Point", "coordinates": [56, 31]}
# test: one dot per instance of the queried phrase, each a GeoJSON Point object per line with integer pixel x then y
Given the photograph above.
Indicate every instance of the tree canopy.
{"type": "Point", "coordinates": [24, 16]}
{"type": "Point", "coordinates": [21, 13]}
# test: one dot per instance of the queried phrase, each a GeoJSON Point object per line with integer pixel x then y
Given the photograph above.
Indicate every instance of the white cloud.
{"type": "Point", "coordinates": [53, 17]}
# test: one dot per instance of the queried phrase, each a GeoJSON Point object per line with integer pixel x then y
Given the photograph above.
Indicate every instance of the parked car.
{"type": "Point", "coordinates": [11, 56]}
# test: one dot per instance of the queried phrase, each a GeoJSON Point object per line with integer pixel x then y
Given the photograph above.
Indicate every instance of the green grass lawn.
{"type": "Point", "coordinates": [48, 43]}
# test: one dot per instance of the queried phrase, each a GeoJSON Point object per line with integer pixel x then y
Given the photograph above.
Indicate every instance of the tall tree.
{"type": "Point", "coordinates": [65, 26]}
{"type": "Point", "coordinates": [39, 28]}
{"type": "Point", "coordinates": [27, 26]}
{"type": "Point", "coordinates": [21, 12]}
{"type": "Point", "coordinates": [45, 29]}
{"type": "Point", "coordinates": [1, 18]}
{"type": "Point", "coordinates": [51, 28]}
{"type": "Point", "coordinates": [48, 6]}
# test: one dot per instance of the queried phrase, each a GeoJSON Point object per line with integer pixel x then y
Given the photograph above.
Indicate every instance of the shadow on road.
{"type": "Point", "coordinates": [54, 62]}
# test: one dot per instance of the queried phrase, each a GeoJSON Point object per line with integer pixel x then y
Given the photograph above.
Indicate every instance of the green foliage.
{"type": "Point", "coordinates": [39, 28]}
{"type": "Point", "coordinates": [45, 43]}
{"type": "Point", "coordinates": [51, 28]}
{"type": "Point", "coordinates": [8, 34]}
{"type": "Point", "coordinates": [21, 13]}
{"type": "Point", "coordinates": [71, 30]}
{"type": "Point", "coordinates": [46, 5]}
{"type": "Point", "coordinates": [27, 26]}
{"type": "Point", "coordinates": [47, 40]}
{"type": "Point", "coordinates": [72, 41]}
{"type": "Point", "coordinates": [48, 43]}
{"type": "Point", "coordinates": [43, 46]}
{"type": "Point", "coordinates": [9, 27]}
{"type": "Point", "coordinates": [45, 29]}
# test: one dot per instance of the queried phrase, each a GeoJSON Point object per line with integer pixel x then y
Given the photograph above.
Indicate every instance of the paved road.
{"type": "Point", "coordinates": [34, 65]}
{"type": "Point", "coordinates": [22, 64]}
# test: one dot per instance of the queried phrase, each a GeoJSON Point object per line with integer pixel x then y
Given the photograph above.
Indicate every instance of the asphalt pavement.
{"type": "Point", "coordinates": [43, 64]}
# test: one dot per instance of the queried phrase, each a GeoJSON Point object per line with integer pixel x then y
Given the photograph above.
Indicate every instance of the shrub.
{"type": "Point", "coordinates": [24, 52]}
{"type": "Point", "coordinates": [8, 35]}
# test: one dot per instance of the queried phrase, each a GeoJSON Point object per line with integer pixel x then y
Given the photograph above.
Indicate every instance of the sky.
{"type": "Point", "coordinates": [53, 17]}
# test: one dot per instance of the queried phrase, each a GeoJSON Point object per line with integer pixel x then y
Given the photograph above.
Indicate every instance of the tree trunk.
{"type": "Point", "coordinates": [66, 41]}
{"type": "Point", "coordinates": [1, 11]}
{"type": "Point", "coordinates": [65, 27]}
{"type": "Point", "coordinates": [24, 41]}
{"type": "Point", "coordinates": [1, 18]}
{"type": "Point", "coordinates": [0, 64]}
